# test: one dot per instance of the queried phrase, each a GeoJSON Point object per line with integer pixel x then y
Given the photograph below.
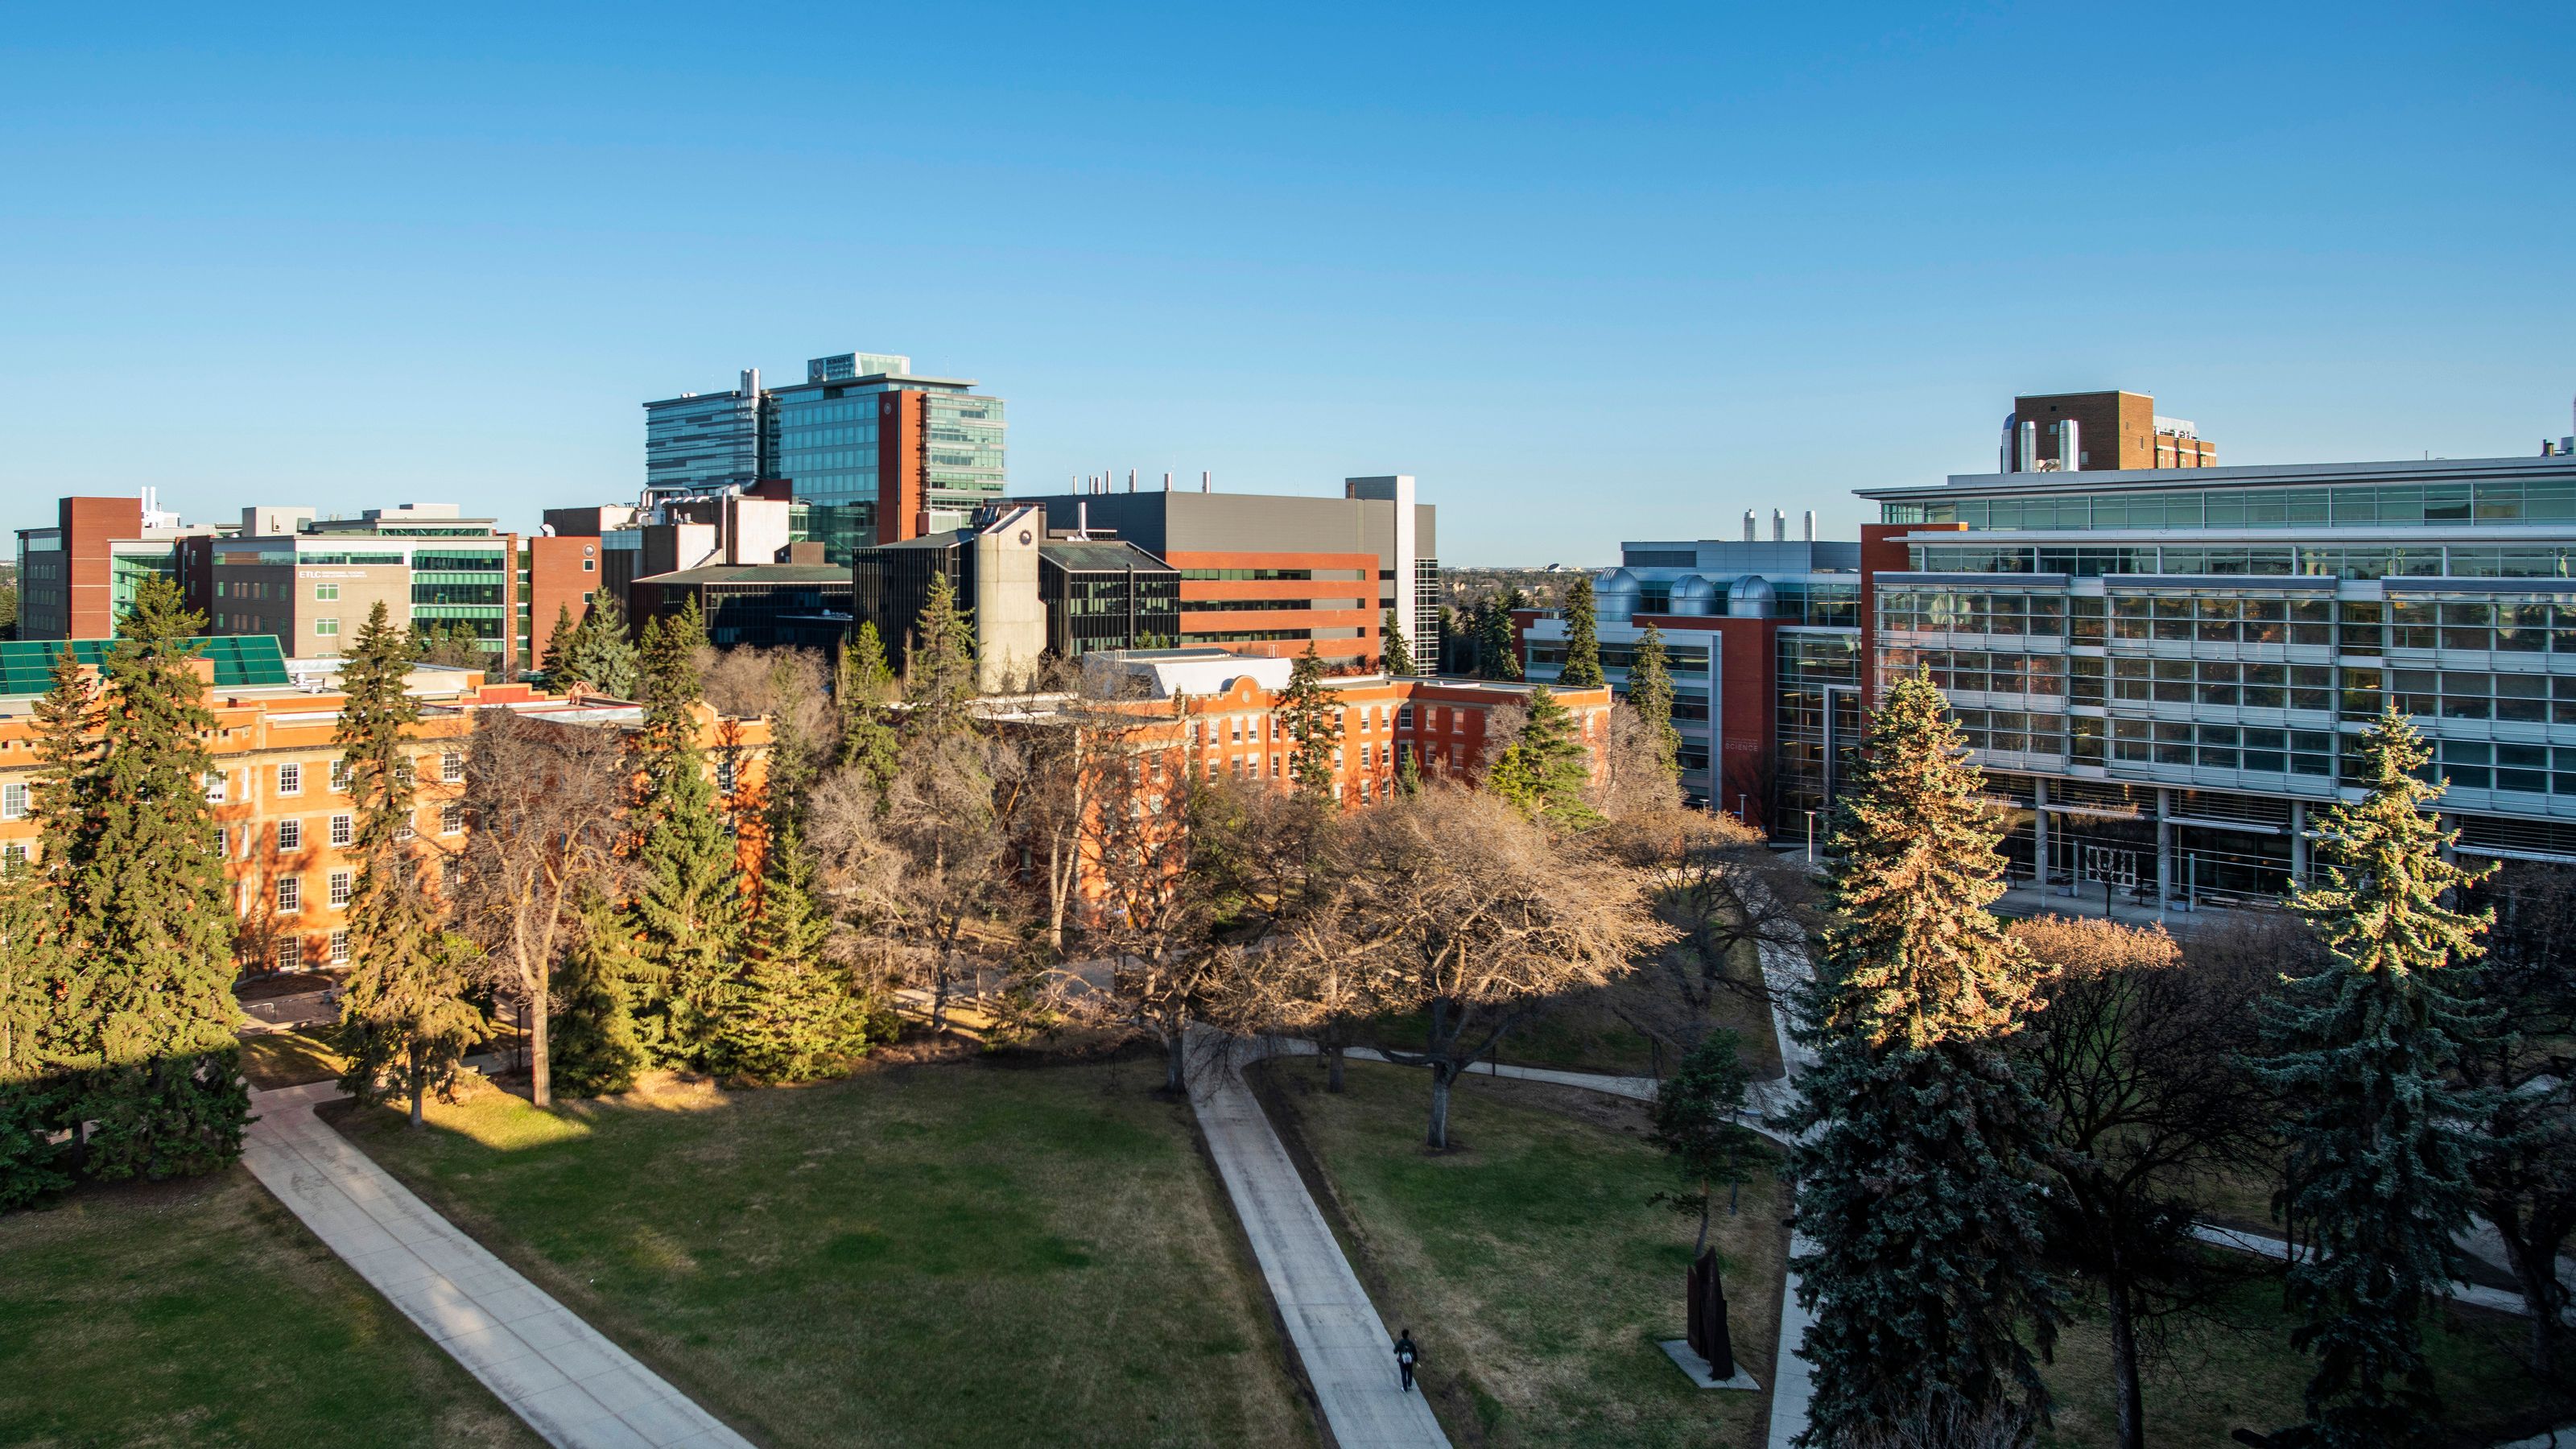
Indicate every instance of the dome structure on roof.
{"type": "Point", "coordinates": [1750, 597]}
{"type": "Point", "coordinates": [1693, 594]}
{"type": "Point", "coordinates": [1614, 596]}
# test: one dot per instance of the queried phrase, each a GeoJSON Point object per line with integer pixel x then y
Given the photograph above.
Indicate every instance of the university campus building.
{"type": "Point", "coordinates": [2163, 670]}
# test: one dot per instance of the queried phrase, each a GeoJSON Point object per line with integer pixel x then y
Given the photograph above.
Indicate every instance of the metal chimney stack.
{"type": "Point", "coordinates": [1811, 525]}
{"type": "Point", "coordinates": [1779, 526]}
{"type": "Point", "coordinates": [1748, 525]}
{"type": "Point", "coordinates": [1203, 482]}
{"type": "Point", "coordinates": [1131, 480]}
{"type": "Point", "coordinates": [1167, 481]}
{"type": "Point", "coordinates": [2028, 458]}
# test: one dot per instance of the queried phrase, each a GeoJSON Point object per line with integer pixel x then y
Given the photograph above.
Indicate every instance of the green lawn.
{"type": "Point", "coordinates": [202, 1313]}
{"type": "Point", "coordinates": [2239, 1372]}
{"type": "Point", "coordinates": [1529, 1264]}
{"type": "Point", "coordinates": [273, 1059]}
{"type": "Point", "coordinates": [954, 1254]}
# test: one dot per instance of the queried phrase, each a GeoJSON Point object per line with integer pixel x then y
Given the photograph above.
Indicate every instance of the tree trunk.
{"type": "Point", "coordinates": [419, 1084]}
{"type": "Point", "coordinates": [540, 1068]}
{"type": "Point", "coordinates": [2535, 1272]}
{"type": "Point", "coordinates": [1333, 1067]}
{"type": "Point", "coordinates": [1443, 1038]}
{"type": "Point", "coordinates": [1175, 1063]}
{"type": "Point", "coordinates": [1439, 1105]}
{"type": "Point", "coordinates": [2128, 1406]}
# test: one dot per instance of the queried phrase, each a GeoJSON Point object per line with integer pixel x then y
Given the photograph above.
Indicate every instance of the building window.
{"type": "Point", "coordinates": [290, 953]}
{"type": "Point", "coordinates": [586, 600]}
{"type": "Point", "coordinates": [326, 628]}
{"type": "Point", "coordinates": [451, 767]}
{"type": "Point", "coordinates": [1404, 717]}
{"type": "Point", "coordinates": [402, 828]}
{"type": "Point", "coordinates": [591, 565]}
{"type": "Point", "coordinates": [327, 594]}
{"type": "Point", "coordinates": [339, 777]}
{"type": "Point", "coordinates": [340, 946]}
{"type": "Point", "coordinates": [290, 895]}
{"type": "Point", "coordinates": [222, 846]}
{"type": "Point", "coordinates": [290, 835]}
{"type": "Point", "coordinates": [451, 820]}
{"type": "Point", "coordinates": [290, 779]}
{"type": "Point", "coordinates": [214, 787]}
{"type": "Point", "coordinates": [339, 890]}
{"type": "Point", "coordinates": [13, 856]}
{"type": "Point", "coordinates": [344, 829]}
{"type": "Point", "coordinates": [724, 776]}
{"type": "Point", "coordinates": [13, 802]}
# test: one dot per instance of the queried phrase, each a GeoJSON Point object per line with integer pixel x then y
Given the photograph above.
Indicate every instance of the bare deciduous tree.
{"type": "Point", "coordinates": [2526, 1179]}
{"type": "Point", "coordinates": [1453, 903]}
{"type": "Point", "coordinates": [1722, 888]}
{"type": "Point", "coordinates": [1154, 919]}
{"type": "Point", "coordinates": [547, 804]}
{"type": "Point", "coordinates": [2138, 1057]}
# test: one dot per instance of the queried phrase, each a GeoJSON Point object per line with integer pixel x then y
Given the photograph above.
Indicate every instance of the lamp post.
{"type": "Point", "coordinates": [1811, 837]}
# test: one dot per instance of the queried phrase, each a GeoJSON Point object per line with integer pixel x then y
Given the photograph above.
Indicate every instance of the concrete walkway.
{"type": "Point", "coordinates": [573, 1386]}
{"type": "Point", "coordinates": [2477, 1295]}
{"type": "Point", "coordinates": [1347, 1351]}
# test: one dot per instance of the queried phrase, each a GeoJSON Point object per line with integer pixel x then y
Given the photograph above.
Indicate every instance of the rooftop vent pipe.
{"type": "Point", "coordinates": [1779, 526]}
{"type": "Point", "coordinates": [1811, 525]}
{"type": "Point", "coordinates": [1748, 525]}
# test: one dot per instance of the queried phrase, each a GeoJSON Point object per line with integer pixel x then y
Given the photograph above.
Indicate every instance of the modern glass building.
{"type": "Point", "coordinates": [2167, 671]}
{"type": "Point", "coordinates": [710, 442]}
{"type": "Point", "coordinates": [1763, 642]}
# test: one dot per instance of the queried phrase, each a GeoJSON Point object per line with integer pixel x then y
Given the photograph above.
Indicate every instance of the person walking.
{"type": "Point", "coordinates": [1405, 1354]}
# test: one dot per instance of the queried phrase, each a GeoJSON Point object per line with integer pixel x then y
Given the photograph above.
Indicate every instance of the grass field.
{"type": "Point", "coordinates": [964, 1253]}
{"type": "Point", "coordinates": [1529, 1263]}
{"type": "Point", "coordinates": [203, 1314]}
{"type": "Point", "coordinates": [2239, 1372]}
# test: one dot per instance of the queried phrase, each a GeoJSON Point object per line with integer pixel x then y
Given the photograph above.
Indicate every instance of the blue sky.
{"type": "Point", "coordinates": [1590, 273]}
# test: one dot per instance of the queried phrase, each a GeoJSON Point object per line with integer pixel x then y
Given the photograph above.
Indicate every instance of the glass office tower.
{"type": "Point", "coordinates": [882, 454]}
{"type": "Point", "coordinates": [708, 442]}
{"type": "Point", "coordinates": [2167, 672]}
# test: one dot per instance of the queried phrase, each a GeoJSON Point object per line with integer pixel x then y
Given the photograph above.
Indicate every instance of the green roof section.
{"type": "Point", "coordinates": [242, 661]}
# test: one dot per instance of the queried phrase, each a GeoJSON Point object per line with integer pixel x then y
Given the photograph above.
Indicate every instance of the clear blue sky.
{"type": "Point", "coordinates": [1590, 272]}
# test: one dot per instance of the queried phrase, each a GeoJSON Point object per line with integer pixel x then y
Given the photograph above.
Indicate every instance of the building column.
{"type": "Point", "coordinates": [2164, 847]}
{"type": "Point", "coordinates": [2298, 841]}
{"type": "Point", "coordinates": [2039, 832]}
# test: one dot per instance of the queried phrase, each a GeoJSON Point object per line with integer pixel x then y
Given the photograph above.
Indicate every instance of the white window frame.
{"type": "Point", "coordinates": [339, 945]}
{"type": "Point", "coordinates": [290, 953]}
{"type": "Point", "coordinates": [290, 895]}
{"type": "Point", "coordinates": [290, 778]}
{"type": "Point", "coordinates": [340, 776]}
{"type": "Point", "coordinates": [451, 819]}
{"type": "Point", "coordinates": [342, 884]}
{"type": "Point", "coordinates": [451, 766]}
{"type": "Point", "coordinates": [344, 831]}
{"type": "Point", "coordinates": [290, 835]}
{"type": "Point", "coordinates": [13, 800]}
{"type": "Point", "coordinates": [326, 593]}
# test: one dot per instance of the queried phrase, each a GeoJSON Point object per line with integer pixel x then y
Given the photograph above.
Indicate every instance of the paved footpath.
{"type": "Point", "coordinates": [573, 1386]}
{"type": "Point", "coordinates": [1347, 1351]}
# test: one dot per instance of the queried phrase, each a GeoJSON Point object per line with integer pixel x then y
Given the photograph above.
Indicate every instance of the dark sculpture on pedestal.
{"type": "Point", "coordinates": [1707, 1333]}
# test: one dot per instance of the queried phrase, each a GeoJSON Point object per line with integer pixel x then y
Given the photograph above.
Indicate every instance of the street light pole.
{"type": "Point", "coordinates": [1811, 837]}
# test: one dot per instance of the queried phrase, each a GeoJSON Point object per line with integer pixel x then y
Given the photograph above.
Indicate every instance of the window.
{"type": "Point", "coordinates": [339, 777]}
{"type": "Point", "coordinates": [290, 779]}
{"type": "Point", "coordinates": [223, 839]}
{"type": "Point", "coordinates": [451, 820]}
{"type": "Point", "coordinates": [344, 829]}
{"type": "Point", "coordinates": [724, 776]}
{"type": "Point", "coordinates": [290, 895]}
{"type": "Point", "coordinates": [589, 566]}
{"type": "Point", "coordinates": [403, 830]}
{"type": "Point", "coordinates": [13, 802]}
{"type": "Point", "coordinates": [12, 856]}
{"type": "Point", "coordinates": [214, 787]}
{"type": "Point", "coordinates": [451, 766]}
{"type": "Point", "coordinates": [326, 628]}
{"type": "Point", "coordinates": [340, 946]}
{"type": "Point", "coordinates": [290, 835]}
{"type": "Point", "coordinates": [290, 953]}
{"type": "Point", "coordinates": [339, 890]}
{"type": "Point", "coordinates": [327, 594]}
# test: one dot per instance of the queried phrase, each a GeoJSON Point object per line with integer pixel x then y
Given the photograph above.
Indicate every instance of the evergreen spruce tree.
{"type": "Point", "coordinates": [1495, 658]}
{"type": "Point", "coordinates": [794, 1017]}
{"type": "Point", "coordinates": [1650, 694]}
{"type": "Point", "coordinates": [600, 653]}
{"type": "Point", "coordinates": [32, 1095]}
{"type": "Point", "coordinates": [1582, 638]}
{"type": "Point", "coordinates": [559, 643]}
{"type": "Point", "coordinates": [594, 1048]}
{"type": "Point", "coordinates": [2380, 1144]}
{"type": "Point", "coordinates": [1915, 1189]}
{"type": "Point", "coordinates": [1308, 716]}
{"type": "Point", "coordinates": [687, 909]}
{"type": "Point", "coordinates": [1545, 770]}
{"type": "Point", "coordinates": [404, 1019]}
{"type": "Point", "coordinates": [863, 694]}
{"type": "Point", "coordinates": [1397, 654]}
{"type": "Point", "coordinates": [940, 675]}
{"type": "Point", "coordinates": [149, 921]}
